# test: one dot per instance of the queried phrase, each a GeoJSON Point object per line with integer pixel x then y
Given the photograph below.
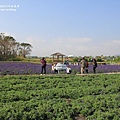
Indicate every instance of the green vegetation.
{"type": "Point", "coordinates": [58, 97]}
{"type": "Point", "coordinates": [100, 59]}
{"type": "Point", "coordinates": [11, 50]}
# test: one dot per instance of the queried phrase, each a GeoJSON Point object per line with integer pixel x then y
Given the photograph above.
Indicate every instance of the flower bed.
{"type": "Point", "coordinates": [22, 68]}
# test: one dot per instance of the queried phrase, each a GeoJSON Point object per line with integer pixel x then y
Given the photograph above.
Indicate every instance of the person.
{"type": "Point", "coordinates": [68, 70]}
{"type": "Point", "coordinates": [86, 66]}
{"type": "Point", "coordinates": [53, 70]}
{"type": "Point", "coordinates": [83, 65]}
{"type": "Point", "coordinates": [43, 62]}
{"type": "Point", "coordinates": [94, 65]}
{"type": "Point", "coordinates": [78, 61]}
{"type": "Point", "coordinates": [66, 61]}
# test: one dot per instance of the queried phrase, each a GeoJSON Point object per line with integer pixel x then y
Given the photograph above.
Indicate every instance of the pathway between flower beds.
{"type": "Point", "coordinates": [64, 74]}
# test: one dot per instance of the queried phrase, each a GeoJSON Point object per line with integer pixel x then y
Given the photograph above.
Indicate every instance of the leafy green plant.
{"type": "Point", "coordinates": [60, 97]}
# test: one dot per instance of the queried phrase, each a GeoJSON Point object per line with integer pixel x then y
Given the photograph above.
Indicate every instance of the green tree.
{"type": "Point", "coordinates": [25, 49]}
{"type": "Point", "coordinates": [8, 47]}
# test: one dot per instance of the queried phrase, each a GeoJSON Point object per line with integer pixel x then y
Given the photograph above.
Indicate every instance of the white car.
{"type": "Point", "coordinates": [61, 67]}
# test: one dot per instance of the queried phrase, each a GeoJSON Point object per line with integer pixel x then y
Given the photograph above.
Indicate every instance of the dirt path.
{"type": "Point", "coordinates": [64, 74]}
{"type": "Point", "coordinates": [99, 73]}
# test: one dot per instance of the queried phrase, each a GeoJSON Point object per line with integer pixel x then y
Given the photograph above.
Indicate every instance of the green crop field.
{"type": "Point", "coordinates": [60, 97]}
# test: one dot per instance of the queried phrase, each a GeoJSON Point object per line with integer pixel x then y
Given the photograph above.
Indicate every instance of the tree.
{"type": "Point", "coordinates": [8, 47]}
{"type": "Point", "coordinates": [25, 49]}
{"type": "Point", "coordinates": [1, 45]}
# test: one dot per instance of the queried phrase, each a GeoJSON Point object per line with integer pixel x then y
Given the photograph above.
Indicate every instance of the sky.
{"type": "Point", "coordinates": [71, 27]}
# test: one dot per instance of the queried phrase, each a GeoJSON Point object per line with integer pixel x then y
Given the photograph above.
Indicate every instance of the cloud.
{"type": "Point", "coordinates": [111, 47]}
{"type": "Point", "coordinates": [74, 40]}
{"type": "Point", "coordinates": [72, 46]}
{"type": "Point", "coordinates": [43, 47]}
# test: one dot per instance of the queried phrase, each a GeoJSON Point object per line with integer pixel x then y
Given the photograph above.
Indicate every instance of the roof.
{"type": "Point", "coordinates": [57, 54]}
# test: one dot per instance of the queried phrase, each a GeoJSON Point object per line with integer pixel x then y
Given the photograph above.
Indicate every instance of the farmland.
{"type": "Point", "coordinates": [27, 68]}
{"type": "Point", "coordinates": [25, 95]}
{"type": "Point", "coordinates": [60, 97]}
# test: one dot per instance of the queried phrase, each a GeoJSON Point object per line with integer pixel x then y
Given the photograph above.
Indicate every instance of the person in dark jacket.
{"type": "Point", "coordinates": [66, 61]}
{"type": "Point", "coordinates": [94, 65]}
{"type": "Point", "coordinates": [43, 63]}
{"type": "Point", "coordinates": [86, 66]}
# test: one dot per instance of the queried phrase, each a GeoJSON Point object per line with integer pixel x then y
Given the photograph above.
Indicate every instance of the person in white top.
{"type": "Point", "coordinates": [68, 70]}
{"type": "Point", "coordinates": [52, 68]}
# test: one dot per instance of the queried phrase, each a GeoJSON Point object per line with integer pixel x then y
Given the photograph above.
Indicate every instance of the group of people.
{"type": "Point", "coordinates": [44, 63]}
{"type": "Point", "coordinates": [67, 68]}
{"type": "Point", "coordinates": [53, 70]}
{"type": "Point", "coordinates": [83, 62]}
{"type": "Point", "coordinates": [84, 65]}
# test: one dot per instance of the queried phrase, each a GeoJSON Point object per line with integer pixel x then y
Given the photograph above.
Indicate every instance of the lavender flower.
{"type": "Point", "coordinates": [22, 68]}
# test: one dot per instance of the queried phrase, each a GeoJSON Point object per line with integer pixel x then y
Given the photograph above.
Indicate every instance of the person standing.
{"type": "Point", "coordinates": [83, 65]}
{"type": "Point", "coordinates": [52, 68]}
{"type": "Point", "coordinates": [94, 65]}
{"type": "Point", "coordinates": [66, 61]}
{"type": "Point", "coordinates": [86, 66]}
{"type": "Point", "coordinates": [43, 62]}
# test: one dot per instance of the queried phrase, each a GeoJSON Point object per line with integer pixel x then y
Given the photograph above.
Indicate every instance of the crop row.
{"type": "Point", "coordinates": [25, 68]}
{"type": "Point", "coordinates": [94, 97]}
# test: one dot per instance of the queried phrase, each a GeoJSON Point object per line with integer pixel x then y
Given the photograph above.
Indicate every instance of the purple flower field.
{"type": "Point", "coordinates": [25, 68]}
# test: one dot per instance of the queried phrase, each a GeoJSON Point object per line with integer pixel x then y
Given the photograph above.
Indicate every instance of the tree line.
{"type": "Point", "coordinates": [11, 49]}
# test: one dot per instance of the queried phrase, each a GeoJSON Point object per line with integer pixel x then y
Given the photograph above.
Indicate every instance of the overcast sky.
{"type": "Point", "coordinates": [71, 27]}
